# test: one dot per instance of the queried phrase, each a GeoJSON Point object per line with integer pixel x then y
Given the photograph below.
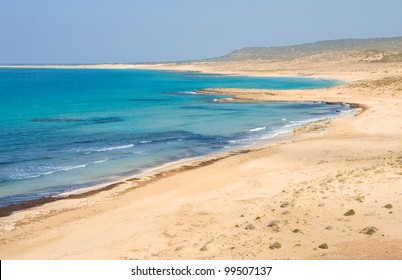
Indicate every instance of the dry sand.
{"type": "Point", "coordinates": [294, 192]}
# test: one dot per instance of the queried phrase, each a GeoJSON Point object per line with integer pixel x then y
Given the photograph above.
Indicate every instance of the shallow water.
{"type": "Point", "coordinates": [64, 129]}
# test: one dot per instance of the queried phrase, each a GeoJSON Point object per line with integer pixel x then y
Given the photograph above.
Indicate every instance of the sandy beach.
{"type": "Point", "coordinates": [331, 190]}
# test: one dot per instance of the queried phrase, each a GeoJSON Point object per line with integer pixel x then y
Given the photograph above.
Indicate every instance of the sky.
{"type": "Point", "coordinates": [123, 31]}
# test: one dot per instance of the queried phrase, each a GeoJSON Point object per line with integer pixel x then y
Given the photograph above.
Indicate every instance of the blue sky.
{"type": "Point", "coordinates": [96, 31]}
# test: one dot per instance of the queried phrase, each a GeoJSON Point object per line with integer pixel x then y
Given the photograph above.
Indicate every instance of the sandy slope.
{"type": "Point", "coordinates": [294, 192]}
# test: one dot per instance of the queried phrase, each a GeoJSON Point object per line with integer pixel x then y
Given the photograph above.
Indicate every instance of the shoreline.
{"type": "Point", "coordinates": [232, 97]}
{"type": "Point", "coordinates": [174, 167]}
{"type": "Point", "coordinates": [306, 182]}
{"type": "Point", "coordinates": [143, 177]}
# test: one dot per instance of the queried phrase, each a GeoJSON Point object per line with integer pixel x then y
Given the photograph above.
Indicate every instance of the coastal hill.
{"type": "Point", "coordinates": [376, 49]}
{"type": "Point", "coordinates": [346, 59]}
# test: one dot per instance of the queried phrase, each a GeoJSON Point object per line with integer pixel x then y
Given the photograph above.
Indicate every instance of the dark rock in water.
{"type": "Point", "coordinates": [147, 99]}
{"type": "Point", "coordinates": [351, 212]}
{"type": "Point", "coordinates": [102, 120]}
{"type": "Point", "coordinates": [98, 120]}
{"type": "Point", "coordinates": [50, 120]}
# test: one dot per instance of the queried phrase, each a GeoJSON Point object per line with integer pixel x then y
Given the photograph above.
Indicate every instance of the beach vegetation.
{"type": "Point", "coordinates": [274, 223]}
{"type": "Point", "coordinates": [204, 248]}
{"type": "Point", "coordinates": [369, 230]}
{"type": "Point", "coordinates": [323, 246]}
{"type": "Point", "coordinates": [350, 212]}
{"type": "Point", "coordinates": [275, 245]}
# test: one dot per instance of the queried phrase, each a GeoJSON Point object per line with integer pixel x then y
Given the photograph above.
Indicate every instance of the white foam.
{"type": "Point", "coordinates": [99, 161]}
{"type": "Point", "coordinates": [258, 129]}
{"type": "Point", "coordinates": [292, 125]}
{"type": "Point", "coordinates": [54, 170]}
{"type": "Point", "coordinates": [239, 140]}
{"type": "Point", "coordinates": [140, 152]}
{"type": "Point", "coordinates": [115, 148]}
{"type": "Point", "coordinates": [188, 92]}
{"type": "Point", "coordinates": [299, 123]}
{"type": "Point", "coordinates": [270, 136]}
{"type": "Point", "coordinates": [67, 168]}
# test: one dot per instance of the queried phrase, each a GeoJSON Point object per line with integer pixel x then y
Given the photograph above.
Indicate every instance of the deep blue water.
{"type": "Point", "coordinates": [64, 129]}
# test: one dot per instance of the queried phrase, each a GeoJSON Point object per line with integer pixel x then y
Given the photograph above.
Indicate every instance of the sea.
{"type": "Point", "coordinates": [63, 130]}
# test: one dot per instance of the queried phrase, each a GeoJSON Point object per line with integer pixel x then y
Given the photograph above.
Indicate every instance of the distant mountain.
{"type": "Point", "coordinates": [378, 45]}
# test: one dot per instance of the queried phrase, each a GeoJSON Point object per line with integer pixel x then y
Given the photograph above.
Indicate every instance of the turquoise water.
{"type": "Point", "coordinates": [65, 129]}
